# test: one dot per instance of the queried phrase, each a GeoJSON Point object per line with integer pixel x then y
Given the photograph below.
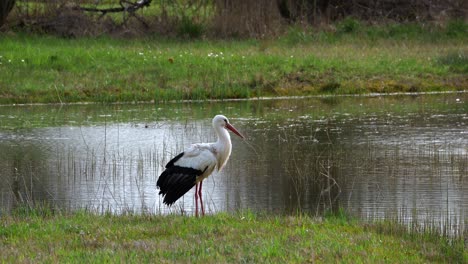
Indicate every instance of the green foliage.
{"type": "Point", "coordinates": [338, 215]}
{"type": "Point", "coordinates": [296, 35]}
{"type": "Point", "coordinates": [404, 31]}
{"type": "Point", "coordinates": [189, 28]}
{"type": "Point", "coordinates": [348, 25]}
{"type": "Point", "coordinates": [457, 28]}
{"type": "Point", "coordinates": [33, 210]}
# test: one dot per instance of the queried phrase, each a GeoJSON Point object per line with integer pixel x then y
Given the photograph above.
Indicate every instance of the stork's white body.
{"type": "Point", "coordinates": [202, 157]}
{"type": "Point", "coordinates": [196, 163]}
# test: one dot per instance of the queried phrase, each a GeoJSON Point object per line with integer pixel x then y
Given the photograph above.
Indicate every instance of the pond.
{"type": "Point", "coordinates": [377, 157]}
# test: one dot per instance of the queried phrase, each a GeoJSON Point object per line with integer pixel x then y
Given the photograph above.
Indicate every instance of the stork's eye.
{"type": "Point", "coordinates": [225, 120]}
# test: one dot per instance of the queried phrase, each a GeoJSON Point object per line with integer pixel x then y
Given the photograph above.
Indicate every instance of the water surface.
{"type": "Point", "coordinates": [402, 157]}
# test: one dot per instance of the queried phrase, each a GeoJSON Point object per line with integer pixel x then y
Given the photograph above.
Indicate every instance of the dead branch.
{"type": "Point", "coordinates": [125, 6]}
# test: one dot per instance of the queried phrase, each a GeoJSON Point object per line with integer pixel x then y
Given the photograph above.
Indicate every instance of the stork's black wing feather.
{"type": "Point", "coordinates": [173, 160]}
{"type": "Point", "coordinates": [175, 181]}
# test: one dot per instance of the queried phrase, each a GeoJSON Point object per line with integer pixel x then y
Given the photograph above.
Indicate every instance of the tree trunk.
{"type": "Point", "coordinates": [5, 8]}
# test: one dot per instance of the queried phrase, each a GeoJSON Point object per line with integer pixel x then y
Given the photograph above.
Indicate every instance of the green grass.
{"type": "Point", "coordinates": [220, 238]}
{"type": "Point", "coordinates": [352, 60]}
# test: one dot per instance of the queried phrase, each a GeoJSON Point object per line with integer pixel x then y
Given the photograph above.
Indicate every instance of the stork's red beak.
{"type": "Point", "coordinates": [234, 130]}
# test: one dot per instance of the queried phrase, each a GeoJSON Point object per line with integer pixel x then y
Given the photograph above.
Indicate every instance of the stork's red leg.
{"type": "Point", "coordinates": [196, 200]}
{"type": "Point", "coordinates": [201, 200]}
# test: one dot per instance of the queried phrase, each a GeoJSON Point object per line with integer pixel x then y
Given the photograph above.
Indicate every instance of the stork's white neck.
{"type": "Point", "coordinates": [223, 146]}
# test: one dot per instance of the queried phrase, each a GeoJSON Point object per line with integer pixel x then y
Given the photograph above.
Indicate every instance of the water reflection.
{"type": "Point", "coordinates": [378, 157]}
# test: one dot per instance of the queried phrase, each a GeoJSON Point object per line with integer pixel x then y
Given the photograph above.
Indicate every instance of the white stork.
{"type": "Point", "coordinates": [192, 166]}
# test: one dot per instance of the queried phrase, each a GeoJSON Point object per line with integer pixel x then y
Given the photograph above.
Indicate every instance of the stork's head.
{"type": "Point", "coordinates": [222, 121]}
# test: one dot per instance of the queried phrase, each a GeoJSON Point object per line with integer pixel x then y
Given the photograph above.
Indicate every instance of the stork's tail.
{"type": "Point", "coordinates": [176, 181]}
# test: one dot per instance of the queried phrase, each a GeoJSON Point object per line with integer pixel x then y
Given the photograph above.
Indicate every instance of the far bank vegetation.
{"type": "Point", "coordinates": [214, 18]}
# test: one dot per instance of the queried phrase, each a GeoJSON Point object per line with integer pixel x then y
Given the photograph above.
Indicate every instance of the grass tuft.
{"type": "Point", "coordinates": [456, 61]}
{"type": "Point", "coordinates": [348, 25]}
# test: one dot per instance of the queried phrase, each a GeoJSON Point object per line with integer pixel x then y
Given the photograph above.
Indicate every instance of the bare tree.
{"type": "Point", "coordinates": [316, 11]}
{"type": "Point", "coordinates": [222, 18]}
{"type": "Point", "coordinates": [246, 18]}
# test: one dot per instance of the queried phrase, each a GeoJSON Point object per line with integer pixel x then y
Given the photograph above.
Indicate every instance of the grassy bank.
{"type": "Point", "coordinates": [43, 69]}
{"type": "Point", "coordinates": [220, 238]}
